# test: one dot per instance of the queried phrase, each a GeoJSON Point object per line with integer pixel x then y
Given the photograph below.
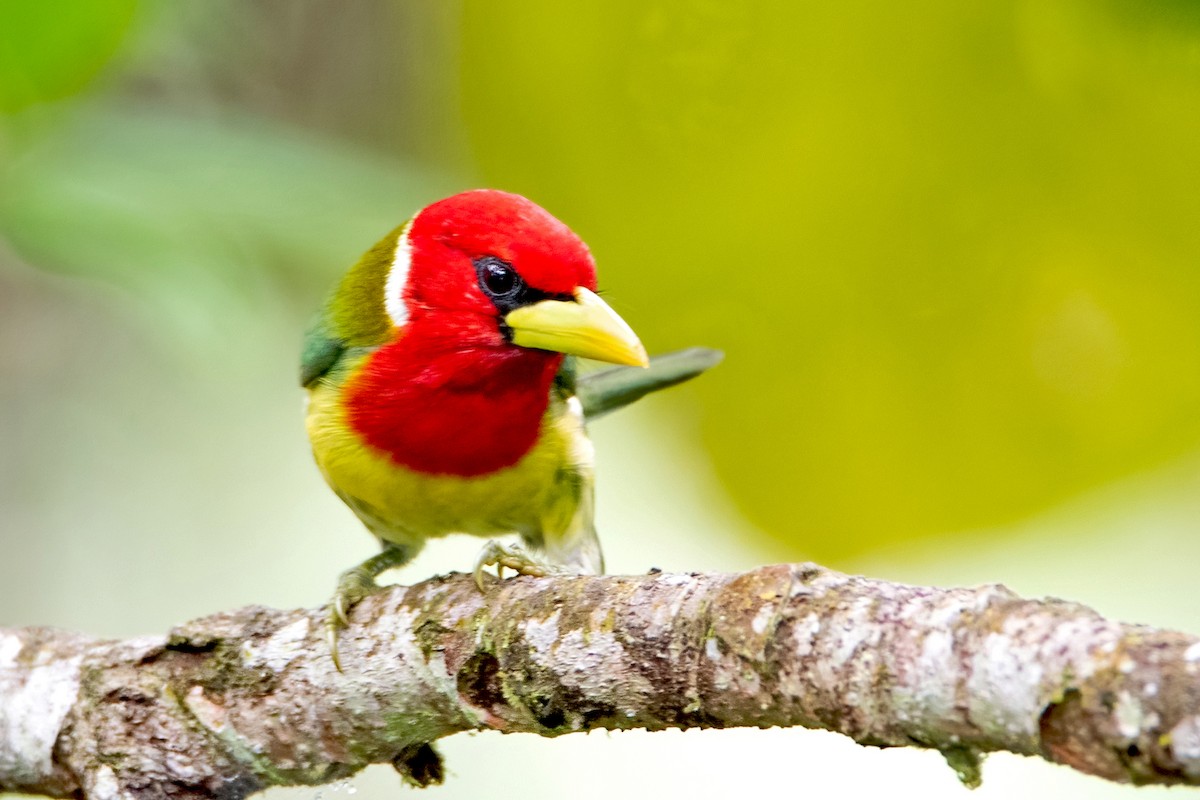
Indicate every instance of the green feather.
{"type": "Point", "coordinates": [609, 389]}
{"type": "Point", "coordinates": [321, 351]}
{"type": "Point", "coordinates": [354, 317]}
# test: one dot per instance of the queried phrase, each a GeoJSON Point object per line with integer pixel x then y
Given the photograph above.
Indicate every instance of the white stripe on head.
{"type": "Point", "coordinates": [397, 279]}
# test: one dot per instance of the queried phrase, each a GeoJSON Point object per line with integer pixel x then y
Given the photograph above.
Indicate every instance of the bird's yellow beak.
{"type": "Point", "coordinates": [586, 327]}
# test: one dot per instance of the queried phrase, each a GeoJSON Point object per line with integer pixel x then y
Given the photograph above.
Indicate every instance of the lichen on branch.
{"type": "Point", "coordinates": [232, 703]}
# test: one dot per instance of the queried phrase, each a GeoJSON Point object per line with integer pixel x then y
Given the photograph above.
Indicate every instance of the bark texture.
{"type": "Point", "coordinates": [229, 704]}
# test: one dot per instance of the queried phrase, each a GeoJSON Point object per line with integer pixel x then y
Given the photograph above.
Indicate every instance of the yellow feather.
{"type": "Point", "coordinates": [538, 497]}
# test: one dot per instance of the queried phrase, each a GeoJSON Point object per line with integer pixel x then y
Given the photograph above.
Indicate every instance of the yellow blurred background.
{"type": "Point", "coordinates": [952, 251]}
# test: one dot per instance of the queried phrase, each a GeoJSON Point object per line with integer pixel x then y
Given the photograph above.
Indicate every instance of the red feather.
{"type": "Point", "coordinates": [450, 395]}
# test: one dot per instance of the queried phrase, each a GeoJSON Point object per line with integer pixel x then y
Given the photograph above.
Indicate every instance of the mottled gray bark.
{"type": "Point", "coordinates": [229, 704]}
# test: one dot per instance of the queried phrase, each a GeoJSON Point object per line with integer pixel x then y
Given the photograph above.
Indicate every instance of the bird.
{"type": "Point", "coordinates": [444, 395]}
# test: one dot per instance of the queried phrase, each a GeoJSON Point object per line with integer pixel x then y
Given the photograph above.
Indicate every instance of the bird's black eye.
{"type": "Point", "coordinates": [497, 278]}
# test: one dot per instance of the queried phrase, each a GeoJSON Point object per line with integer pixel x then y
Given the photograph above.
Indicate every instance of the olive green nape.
{"type": "Point", "coordinates": [354, 315]}
{"type": "Point", "coordinates": [355, 311]}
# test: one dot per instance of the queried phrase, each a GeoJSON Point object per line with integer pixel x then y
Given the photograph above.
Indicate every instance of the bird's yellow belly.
{"type": "Point", "coordinates": [538, 495]}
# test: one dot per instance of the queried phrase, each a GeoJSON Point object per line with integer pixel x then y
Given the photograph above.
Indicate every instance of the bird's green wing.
{"type": "Point", "coordinates": [609, 389]}
{"type": "Point", "coordinates": [322, 350]}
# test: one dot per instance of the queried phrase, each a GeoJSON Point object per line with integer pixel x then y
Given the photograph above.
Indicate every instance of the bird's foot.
{"type": "Point", "coordinates": [355, 585]}
{"type": "Point", "coordinates": [514, 557]}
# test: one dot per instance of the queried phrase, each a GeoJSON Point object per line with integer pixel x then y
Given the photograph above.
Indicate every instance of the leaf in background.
{"type": "Point", "coordinates": [198, 214]}
{"type": "Point", "coordinates": [49, 50]}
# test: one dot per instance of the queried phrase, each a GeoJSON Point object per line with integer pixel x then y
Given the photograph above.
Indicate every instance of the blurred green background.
{"type": "Point", "coordinates": [952, 252]}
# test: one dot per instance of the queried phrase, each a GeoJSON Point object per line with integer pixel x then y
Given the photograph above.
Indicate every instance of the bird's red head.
{"type": "Point", "coordinates": [488, 269]}
{"type": "Point", "coordinates": [450, 238]}
{"type": "Point", "coordinates": [488, 292]}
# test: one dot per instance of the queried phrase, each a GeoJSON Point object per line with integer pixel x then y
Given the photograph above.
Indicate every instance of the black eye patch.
{"type": "Point", "coordinates": [504, 286]}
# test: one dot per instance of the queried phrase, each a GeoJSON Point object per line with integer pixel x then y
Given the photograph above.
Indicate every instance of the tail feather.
{"type": "Point", "coordinates": [609, 389]}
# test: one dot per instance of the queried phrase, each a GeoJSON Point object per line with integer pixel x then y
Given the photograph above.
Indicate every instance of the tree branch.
{"type": "Point", "coordinates": [230, 704]}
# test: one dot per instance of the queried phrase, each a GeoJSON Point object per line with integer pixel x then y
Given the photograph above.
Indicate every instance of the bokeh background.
{"type": "Point", "coordinates": [952, 251]}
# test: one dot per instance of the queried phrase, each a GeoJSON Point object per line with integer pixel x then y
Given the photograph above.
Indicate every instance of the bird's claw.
{"type": "Point", "coordinates": [331, 638]}
{"type": "Point", "coordinates": [338, 611]}
{"type": "Point", "coordinates": [495, 554]}
{"type": "Point", "coordinates": [354, 586]}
